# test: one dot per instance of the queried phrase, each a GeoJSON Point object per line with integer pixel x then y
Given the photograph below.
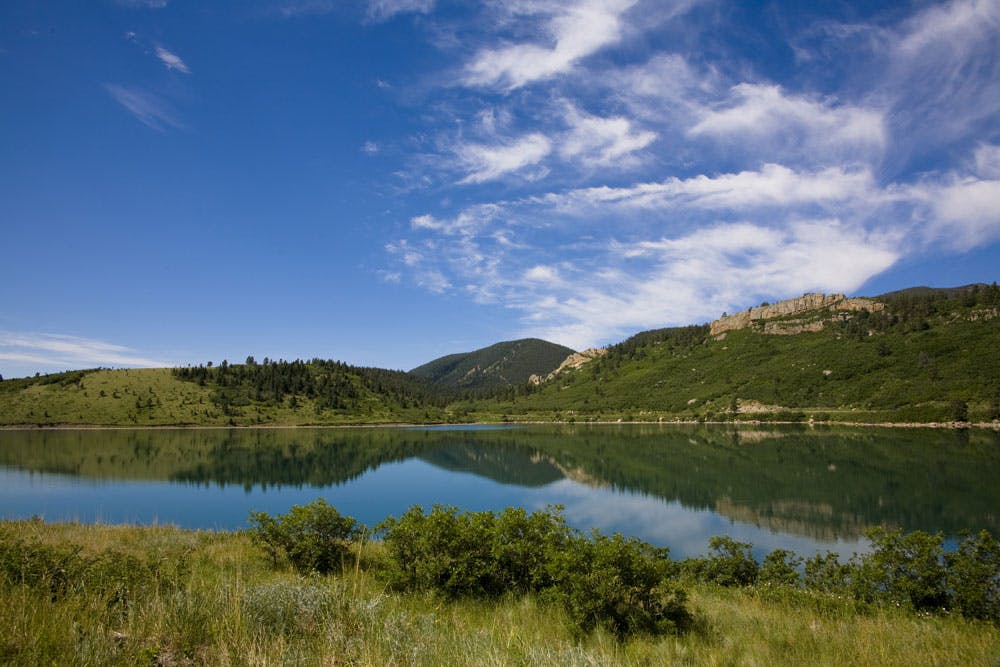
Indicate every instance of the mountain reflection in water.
{"type": "Point", "coordinates": [821, 483]}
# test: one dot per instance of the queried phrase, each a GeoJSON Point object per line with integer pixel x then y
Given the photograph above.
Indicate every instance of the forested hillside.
{"type": "Point", "coordinates": [923, 355]}
{"type": "Point", "coordinates": [928, 356]}
{"type": "Point", "coordinates": [507, 364]}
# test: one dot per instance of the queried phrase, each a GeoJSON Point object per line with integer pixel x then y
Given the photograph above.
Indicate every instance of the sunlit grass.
{"type": "Point", "coordinates": [233, 608]}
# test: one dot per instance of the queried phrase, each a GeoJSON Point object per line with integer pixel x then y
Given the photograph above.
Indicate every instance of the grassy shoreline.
{"type": "Point", "coordinates": [991, 425]}
{"type": "Point", "coordinates": [214, 597]}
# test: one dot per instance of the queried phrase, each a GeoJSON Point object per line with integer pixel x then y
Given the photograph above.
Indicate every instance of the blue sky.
{"type": "Point", "coordinates": [385, 182]}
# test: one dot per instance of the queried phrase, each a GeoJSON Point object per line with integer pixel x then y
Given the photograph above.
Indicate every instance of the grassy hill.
{"type": "Point", "coordinates": [288, 393]}
{"type": "Point", "coordinates": [505, 364]}
{"type": "Point", "coordinates": [929, 355]}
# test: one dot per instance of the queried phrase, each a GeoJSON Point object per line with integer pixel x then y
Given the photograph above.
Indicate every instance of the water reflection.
{"type": "Point", "coordinates": [667, 484]}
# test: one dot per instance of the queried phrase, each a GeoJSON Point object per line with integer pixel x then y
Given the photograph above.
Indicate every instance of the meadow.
{"type": "Point", "coordinates": [98, 594]}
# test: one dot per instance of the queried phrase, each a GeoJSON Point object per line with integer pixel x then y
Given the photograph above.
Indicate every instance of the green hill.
{"type": "Point", "coordinates": [917, 355]}
{"type": "Point", "coordinates": [273, 392]}
{"type": "Point", "coordinates": [925, 356]}
{"type": "Point", "coordinates": [506, 364]}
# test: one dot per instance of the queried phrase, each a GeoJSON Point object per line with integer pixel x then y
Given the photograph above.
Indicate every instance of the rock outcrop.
{"type": "Point", "coordinates": [574, 360]}
{"type": "Point", "coordinates": [789, 307]}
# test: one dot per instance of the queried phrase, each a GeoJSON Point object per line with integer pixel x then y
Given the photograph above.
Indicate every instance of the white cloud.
{"type": "Point", "coordinates": [694, 277]}
{"type": "Point", "coordinates": [546, 275]}
{"type": "Point", "coordinates": [382, 10]}
{"type": "Point", "coordinates": [575, 31]}
{"type": "Point", "coordinates": [296, 8]}
{"type": "Point", "coordinates": [485, 162]}
{"type": "Point", "coordinates": [370, 148]}
{"type": "Point", "coordinates": [988, 161]}
{"type": "Point", "coordinates": [53, 352]}
{"type": "Point", "coordinates": [951, 24]}
{"type": "Point", "coordinates": [142, 4]}
{"type": "Point", "coordinates": [766, 111]}
{"type": "Point", "coordinates": [147, 107]}
{"type": "Point", "coordinates": [171, 60]}
{"type": "Point", "coordinates": [602, 142]}
{"type": "Point", "coordinates": [961, 214]}
{"type": "Point", "coordinates": [772, 186]}
{"type": "Point", "coordinates": [754, 189]}
{"type": "Point", "coordinates": [943, 74]}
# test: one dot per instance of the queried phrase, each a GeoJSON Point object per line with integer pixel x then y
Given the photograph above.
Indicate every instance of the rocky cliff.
{"type": "Point", "coordinates": [574, 360]}
{"type": "Point", "coordinates": [807, 303]}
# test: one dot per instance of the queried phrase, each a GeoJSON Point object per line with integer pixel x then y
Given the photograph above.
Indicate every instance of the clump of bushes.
{"type": "Point", "coordinates": [909, 570]}
{"type": "Point", "coordinates": [313, 537]}
{"type": "Point", "coordinates": [622, 584]}
{"type": "Point", "coordinates": [729, 563]}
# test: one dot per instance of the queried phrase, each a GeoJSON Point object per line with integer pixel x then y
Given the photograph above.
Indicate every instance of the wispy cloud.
{"type": "Point", "coordinates": [739, 188]}
{"type": "Point", "coordinates": [142, 4]}
{"type": "Point", "coordinates": [602, 142]}
{"type": "Point", "coordinates": [573, 31]}
{"type": "Point", "coordinates": [55, 352]}
{"type": "Point", "coordinates": [295, 8]}
{"type": "Point", "coordinates": [791, 122]}
{"type": "Point", "coordinates": [590, 264]}
{"type": "Point", "coordinates": [171, 60]}
{"type": "Point", "coordinates": [488, 162]}
{"type": "Point", "coordinates": [147, 107]}
{"type": "Point", "coordinates": [773, 185]}
{"type": "Point", "coordinates": [943, 74]}
{"type": "Point", "coordinates": [383, 10]}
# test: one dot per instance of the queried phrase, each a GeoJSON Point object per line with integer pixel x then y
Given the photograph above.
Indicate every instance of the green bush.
{"type": "Point", "coordinates": [826, 574]}
{"type": "Point", "coordinates": [314, 537]}
{"type": "Point", "coordinates": [903, 569]}
{"type": "Point", "coordinates": [443, 551]}
{"type": "Point", "coordinates": [621, 584]}
{"type": "Point", "coordinates": [729, 563]}
{"type": "Point", "coordinates": [523, 544]}
{"type": "Point", "coordinates": [974, 577]}
{"type": "Point", "coordinates": [780, 568]}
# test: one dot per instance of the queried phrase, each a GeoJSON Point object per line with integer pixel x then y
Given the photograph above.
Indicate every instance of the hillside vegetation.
{"type": "Point", "coordinates": [927, 356]}
{"type": "Point", "coordinates": [501, 365]}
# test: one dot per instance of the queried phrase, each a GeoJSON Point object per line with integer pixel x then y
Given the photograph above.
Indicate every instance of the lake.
{"type": "Point", "coordinates": [796, 487]}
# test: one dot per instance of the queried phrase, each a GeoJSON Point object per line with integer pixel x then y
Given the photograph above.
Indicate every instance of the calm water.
{"type": "Point", "coordinates": [794, 488]}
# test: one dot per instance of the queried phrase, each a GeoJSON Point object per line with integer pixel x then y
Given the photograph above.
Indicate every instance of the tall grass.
{"type": "Point", "coordinates": [229, 606]}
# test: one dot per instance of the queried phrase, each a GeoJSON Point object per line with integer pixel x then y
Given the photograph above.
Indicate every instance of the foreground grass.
{"type": "Point", "coordinates": [226, 604]}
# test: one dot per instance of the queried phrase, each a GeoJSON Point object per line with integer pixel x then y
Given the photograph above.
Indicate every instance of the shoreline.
{"type": "Point", "coordinates": [994, 425]}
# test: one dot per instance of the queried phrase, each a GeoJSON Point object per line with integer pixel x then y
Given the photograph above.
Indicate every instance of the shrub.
{"type": "Point", "coordinates": [730, 563]}
{"type": "Point", "coordinates": [523, 544]}
{"type": "Point", "coordinates": [442, 551]}
{"type": "Point", "coordinates": [314, 537]}
{"type": "Point", "coordinates": [903, 569]}
{"type": "Point", "coordinates": [619, 583]}
{"type": "Point", "coordinates": [974, 577]}
{"type": "Point", "coordinates": [780, 568]}
{"type": "Point", "coordinates": [826, 574]}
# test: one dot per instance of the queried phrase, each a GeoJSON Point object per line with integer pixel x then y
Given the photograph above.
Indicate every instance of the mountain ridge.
{"type": "Point", "coordinates": [927, 355]}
